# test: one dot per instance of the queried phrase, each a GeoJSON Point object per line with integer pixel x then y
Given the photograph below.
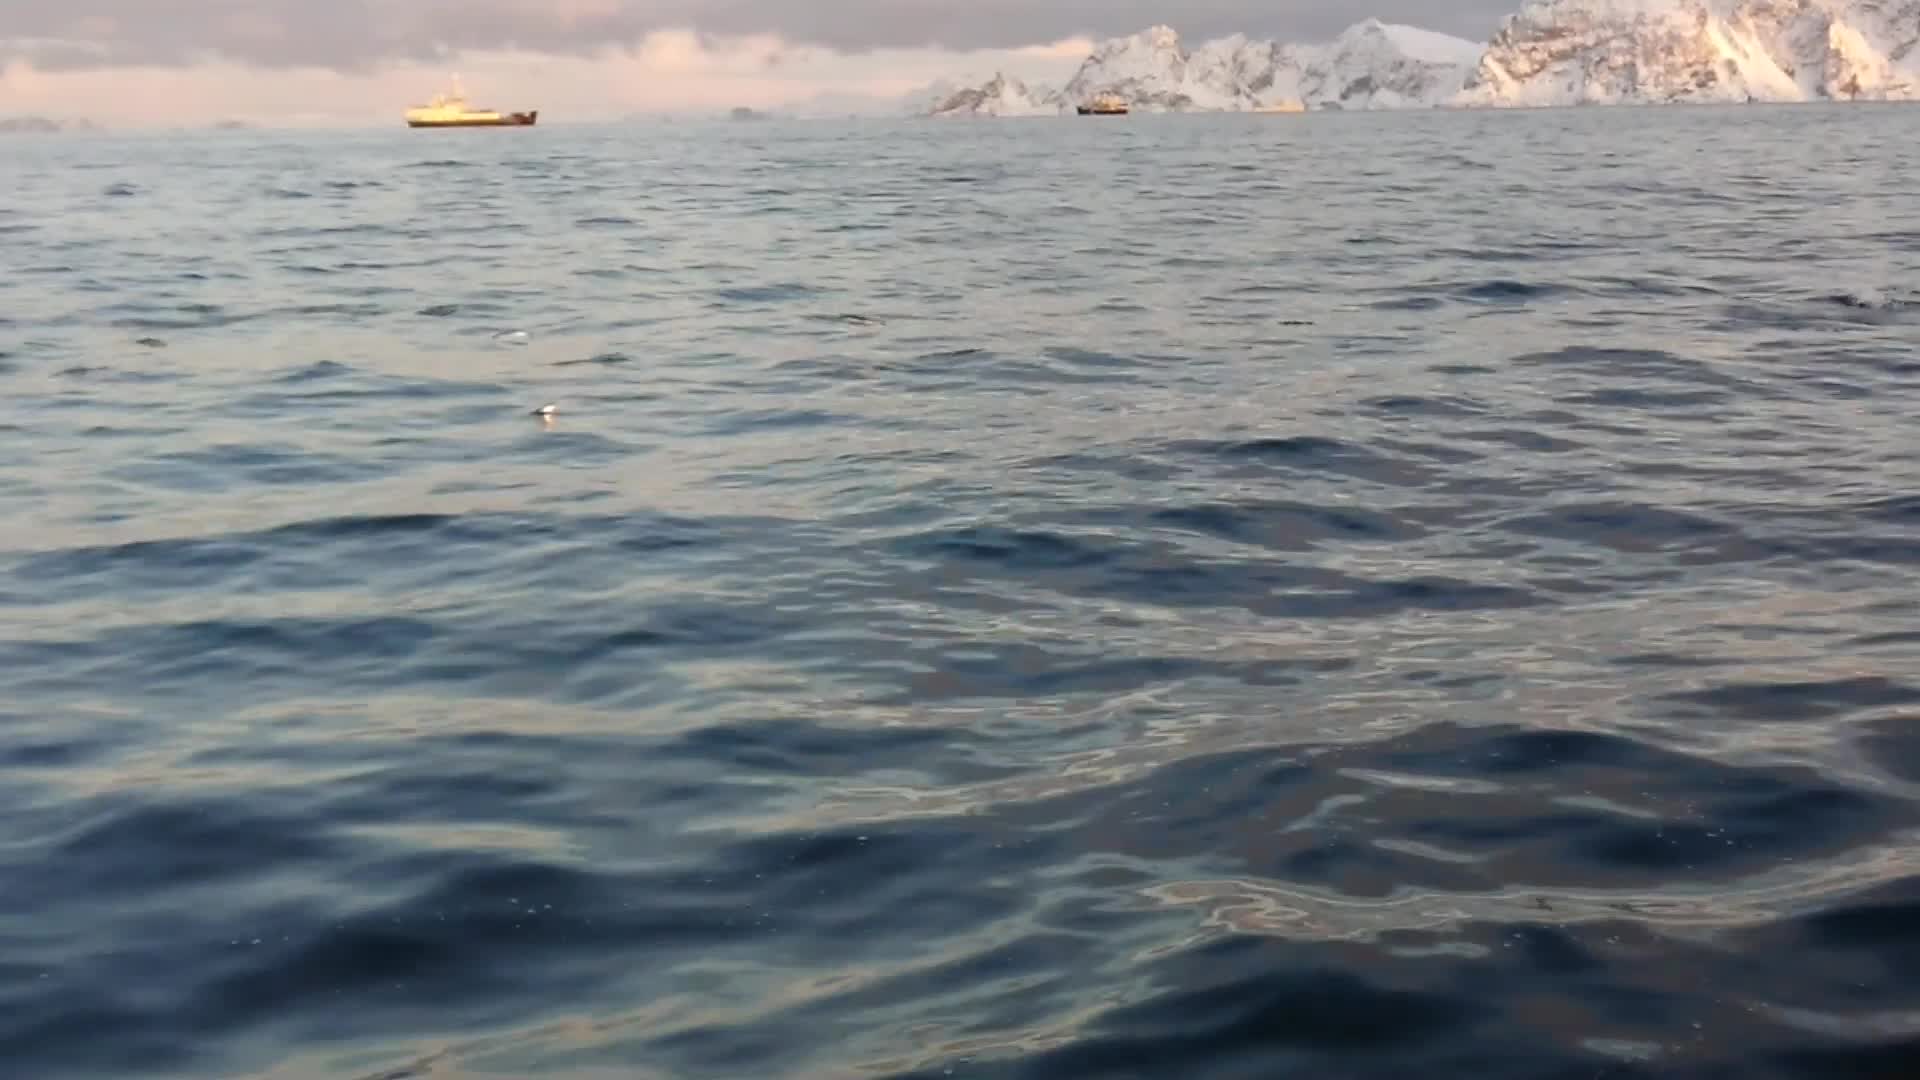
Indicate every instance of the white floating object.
{"type": "Point", "coordinates": [545, 411]}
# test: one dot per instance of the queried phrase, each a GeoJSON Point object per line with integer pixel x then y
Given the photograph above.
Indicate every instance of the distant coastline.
{"type": "Point", "coordinates": [43, 125]}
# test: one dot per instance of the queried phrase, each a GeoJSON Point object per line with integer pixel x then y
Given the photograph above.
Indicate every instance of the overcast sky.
{"type": "Point", "coordinates": [55, 50]}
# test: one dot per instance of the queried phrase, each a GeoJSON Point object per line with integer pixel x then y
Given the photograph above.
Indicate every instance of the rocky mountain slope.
{"type": "Point", "coordinates": [1001, 95]}
{"type": "Point", "coordinates": [1574, 52]}
{"type": "Point", "coordinates": [1371, 65]}
{"type": "Point", "coordinates": [1553, 52]}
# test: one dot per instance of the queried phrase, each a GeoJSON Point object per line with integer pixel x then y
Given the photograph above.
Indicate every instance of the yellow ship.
{"type": "Point", "coordinates": [450, 110]}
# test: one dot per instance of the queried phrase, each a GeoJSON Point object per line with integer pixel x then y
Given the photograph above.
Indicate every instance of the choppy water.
{"type": "Point", "coordinates": [1177, 597]}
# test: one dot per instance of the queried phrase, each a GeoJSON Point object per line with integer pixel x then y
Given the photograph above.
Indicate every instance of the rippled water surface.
{"type": "Point", "coordinates": [1230, 597]}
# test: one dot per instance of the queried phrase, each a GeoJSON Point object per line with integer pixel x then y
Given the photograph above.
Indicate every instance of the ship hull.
{"type": "Point", "coordinates": [1088, 110]}
{"type": "Point", "coordinates": [525, 119]}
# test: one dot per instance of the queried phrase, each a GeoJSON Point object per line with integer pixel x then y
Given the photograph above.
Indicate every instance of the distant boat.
{"type": "Point", "coordinates": [449, 110]}
{"type": "Point", "coordinates": [1289, 106]}
{"type": "Point", "coordinates": [1104, 105]}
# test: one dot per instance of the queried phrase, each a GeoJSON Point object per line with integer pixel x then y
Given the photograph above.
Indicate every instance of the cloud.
{"type": "Point", "coordinates": [358, 34]}
{"type": "Point", "coordinates": [664, 71]}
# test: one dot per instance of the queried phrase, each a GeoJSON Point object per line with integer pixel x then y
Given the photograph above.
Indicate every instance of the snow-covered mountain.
{"type": "Point", "coordinates": [1371, 65]}
{"type": "Point", "coordinates": [1576, 52]}
{"type": "Point", "coordinates": [1153, 72]}
{"type": "Point", "coordinates": [1377, 65]}
{"type": "Point", "coordinates": [1553, 52]}
{"type": "Point", "coordinates": [1001, 95]}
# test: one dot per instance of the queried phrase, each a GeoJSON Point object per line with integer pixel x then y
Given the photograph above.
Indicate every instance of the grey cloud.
{"type": "Point", "coordinates": [353, 34]}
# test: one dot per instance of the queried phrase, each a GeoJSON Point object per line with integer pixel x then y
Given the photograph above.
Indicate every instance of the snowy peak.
{"type": "Point", "coordinates": [1570, 52]}
{"type": "Point", "coordinates": [928, 100]}
{"type": "Point", "coordinates": [1154, 41]}
{"type": "Point", "coordinates": [1385, 65]}
{"type": "Point", "coordinates": [1552, 52]}
{"type": "Point", "coordinates": [1001, 95]}
{"type": "Point", "coordinates": [1156, 49]}
{"type": "Point", "coordinates": [1149, 69]}
{"type": "Point", "coordinates": [1411, 42]}
{"type": "Point", "coordinates": [1371, 65]}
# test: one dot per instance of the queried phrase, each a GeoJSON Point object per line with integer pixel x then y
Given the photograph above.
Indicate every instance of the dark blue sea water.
{"type": "Point", "coordinates": [1336, 596]}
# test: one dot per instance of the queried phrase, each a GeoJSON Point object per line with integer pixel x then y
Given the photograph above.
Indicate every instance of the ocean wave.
{"type": "Point", "coordinates": [1280, 607]}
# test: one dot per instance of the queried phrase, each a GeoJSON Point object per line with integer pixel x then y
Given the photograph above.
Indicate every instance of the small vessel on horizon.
{"type": "Point", "coordinates": [1104, 105]}
{"type": "Point", "coordinates": [449, 109]}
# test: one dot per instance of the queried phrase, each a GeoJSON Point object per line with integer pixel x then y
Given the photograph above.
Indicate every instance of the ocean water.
{"type": "Point", "coordinates": [1185, 597]}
